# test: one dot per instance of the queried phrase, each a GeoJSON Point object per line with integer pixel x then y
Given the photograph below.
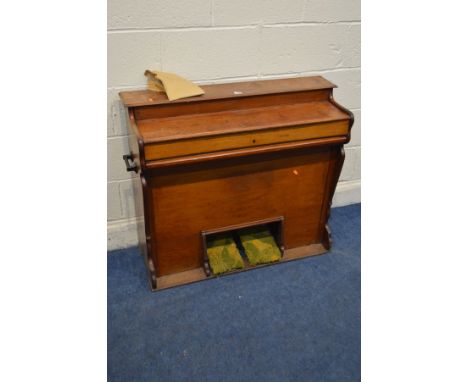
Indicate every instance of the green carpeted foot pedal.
{"type": "Point", "coordinates": [259, 245]}
{"type": "Point", "coordinates": [223, 254]}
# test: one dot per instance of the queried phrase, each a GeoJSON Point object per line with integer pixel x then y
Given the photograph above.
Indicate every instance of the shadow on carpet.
{"type": "Point", "coordinates": [296, 321]}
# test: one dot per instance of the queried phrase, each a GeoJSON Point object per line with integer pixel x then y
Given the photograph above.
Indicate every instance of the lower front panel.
{"type": "Point", "coordinates": [189, 199]}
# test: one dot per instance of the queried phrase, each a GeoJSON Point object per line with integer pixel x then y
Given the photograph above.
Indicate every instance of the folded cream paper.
{"type": "Point", "coordinates": [173, 85]}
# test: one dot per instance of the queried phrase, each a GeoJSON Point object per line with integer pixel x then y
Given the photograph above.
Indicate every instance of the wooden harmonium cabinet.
{"type": "Point", "coordinates": [264, 154]}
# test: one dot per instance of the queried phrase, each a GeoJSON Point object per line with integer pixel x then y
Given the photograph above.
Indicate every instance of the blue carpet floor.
{"type": "Point", "coordinates": [296, 321]}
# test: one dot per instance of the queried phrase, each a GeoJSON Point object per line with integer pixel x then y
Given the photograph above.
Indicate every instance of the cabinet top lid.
{"type": "Point", "coordinates": [230, 90]}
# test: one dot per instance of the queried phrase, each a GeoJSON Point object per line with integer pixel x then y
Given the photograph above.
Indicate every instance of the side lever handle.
{"type": "Point", "coordinates": [130, 167]}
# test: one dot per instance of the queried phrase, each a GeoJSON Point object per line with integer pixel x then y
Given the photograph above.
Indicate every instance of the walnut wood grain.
{"type": "Point", "coordinates": [202, 197]}
{"type": "Point", "coordinates": [230, 104]}
{"type": "Point", "coordinates": [206, 157]}
{"type": "Point", "coordinates": [238, 121]}
{"type": "Point", "coordinates": [231, 90]}
{"type": "Point", "coordinates": [225, 159]}
{"type": "Point", "coordinates": [212, 144]}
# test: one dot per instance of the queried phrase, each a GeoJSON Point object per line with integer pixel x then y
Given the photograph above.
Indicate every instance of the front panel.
{"type": "Point", "coordinates": [191, 199]}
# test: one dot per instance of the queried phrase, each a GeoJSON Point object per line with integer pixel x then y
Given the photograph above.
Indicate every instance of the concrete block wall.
{"type": "Point", "coordinates": [212, 41]}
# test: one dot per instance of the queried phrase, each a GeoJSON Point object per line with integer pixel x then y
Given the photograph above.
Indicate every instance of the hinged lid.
{"type": "Point", "coordinates": [230, 90]}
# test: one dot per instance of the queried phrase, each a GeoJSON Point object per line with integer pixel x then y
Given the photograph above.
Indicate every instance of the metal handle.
{"type": "Point", "coordinates": [130, 167]}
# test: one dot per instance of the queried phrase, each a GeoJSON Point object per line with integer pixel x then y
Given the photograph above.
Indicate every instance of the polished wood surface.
{"type": "Point", "coordinates": [229, 104]}
{"type": "Point", "coordinates": [207, 196]}
{"type": "Point", "coordinates": [230, 90]}
{"type": "Point", "coordinates": [277, 147]}
{"type": "Point", "coordinates": [245, 139]}
{"type": "Point", "coordinates": [239, 121]}
{"type": "Point", "coordinates": [239, 154]}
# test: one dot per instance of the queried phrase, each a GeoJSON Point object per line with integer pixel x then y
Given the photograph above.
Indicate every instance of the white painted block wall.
{"type": "Point", "coordinates": [211, 41]}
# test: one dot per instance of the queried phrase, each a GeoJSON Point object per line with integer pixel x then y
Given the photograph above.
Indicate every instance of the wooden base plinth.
{"type": "Point", "coordinates": [198, 274]}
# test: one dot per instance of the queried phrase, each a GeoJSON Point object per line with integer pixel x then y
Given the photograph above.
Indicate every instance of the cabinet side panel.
{"type": "Point", "coordinates": [137, 193]}
{"type": "Point", "coordinates": [334, 170]}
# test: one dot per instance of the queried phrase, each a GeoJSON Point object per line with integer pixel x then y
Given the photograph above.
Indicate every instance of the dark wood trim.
{"type": "Point", "coordinates": [147, 245]}
{"type": "Point", "coordinates": [141, 146]}
{"type": "Point", "coordinates": [150, 259]}
{"type": "Point", "coordinates": [334, 172]}
{"type": "Point", "coordinates": [235, 227]}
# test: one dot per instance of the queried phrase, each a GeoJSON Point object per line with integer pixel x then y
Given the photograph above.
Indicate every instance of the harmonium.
{"type": "Point", "coordinates": [238, 178]}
